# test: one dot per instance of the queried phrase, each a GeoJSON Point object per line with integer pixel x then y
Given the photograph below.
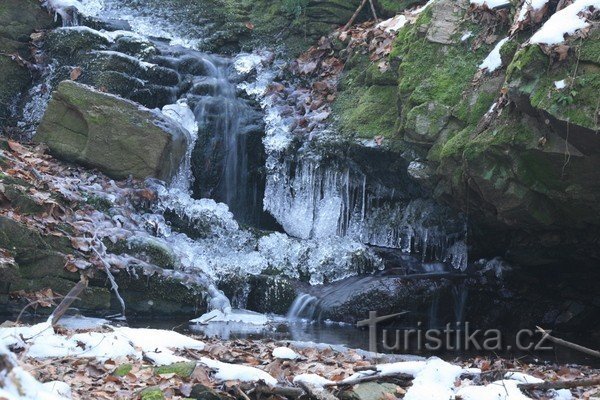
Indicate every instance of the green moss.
{"type": "Point", "coordinates": [508, 50]}
{"type": "Point", "coordinates": [182, 369]}
{"type": "Point", "coordinates": [392, 7]}
{"type": "Point", "coordinates": [508, 131]}
{"type": "Point", "coordinates": [368, 113]}
{"type": "Point", "coordinates": [529, 58]}
{"type": "Point", "coordinates": [455, 146]}
{"type": "Point", "coordinates": [123, 370]}
{"type": "Point", "coordinates": [536, 171]}
{"type": "Point", "coordinates": [472, 113]}
{"type": "Point", "coordinates": [590, 48]}
{"type": "Point", "coordinates": [99, 203]}
{"type": "Point", "coordinates": [152, 393]}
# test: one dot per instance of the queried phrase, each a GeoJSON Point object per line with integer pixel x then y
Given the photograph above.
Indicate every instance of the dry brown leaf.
{"type": "Point", "coordinates": [75, 73]}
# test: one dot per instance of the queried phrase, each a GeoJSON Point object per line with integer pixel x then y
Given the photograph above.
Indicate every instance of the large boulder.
{"type": "Point", "coordinates": [117, 136]}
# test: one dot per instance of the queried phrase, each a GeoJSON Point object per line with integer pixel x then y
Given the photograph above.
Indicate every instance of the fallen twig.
{"type": "Point", "coordinates": [373, 11]}
{"type": "Point", "coordinates": [285, 391]}
{"type": "Point", "coordinates": [354, 16]}
{"type": "Point", "coordinates": [570, 345]}
{"type": "Point", "coordinates": [406, 378]}
{"type": "Point", "coordinates": [66, 302]}
{"type": "Point", "coordinates": [560, 384]}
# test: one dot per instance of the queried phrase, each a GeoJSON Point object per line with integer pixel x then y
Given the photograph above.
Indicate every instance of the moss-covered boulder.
{"type": "Point", "coordinates": [119, 137]}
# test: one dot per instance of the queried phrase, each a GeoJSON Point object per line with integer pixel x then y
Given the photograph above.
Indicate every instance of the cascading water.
{"type": "Point", "coordinates": [304, 308]}
{"type": "Point", "coordinates": [328, 206]}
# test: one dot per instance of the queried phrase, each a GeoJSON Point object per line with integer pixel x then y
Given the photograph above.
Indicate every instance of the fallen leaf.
{"type": "Point", "coordinates": [76, 73]}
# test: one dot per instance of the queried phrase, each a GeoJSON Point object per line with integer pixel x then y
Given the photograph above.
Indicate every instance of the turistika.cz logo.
{"type": "Point", "coordinates": [453, 337]}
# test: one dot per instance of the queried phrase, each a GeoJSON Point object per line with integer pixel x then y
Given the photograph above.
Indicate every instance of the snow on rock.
{"type": "Point", "coordinates": [564, 22]}
{"type": "Point", "coordinates": [523, 378]}
{"type": "Point", "coordinates": [563, 394]}
{"type": "Point", "coordinates": [490, 3]}
{"type": "Point", "coordinates": [17, 384]}
{"type": "Point", "coordinates": [59, 388]}
{"type": "Point", "coordinates": [434, 381]}
{"type": "Point", "coordinates": [234, 372]}
{"type": "Point", "coordinates": [493, 61]}
{"type": "Point", "coordinates": [154, 344]}
{"type": "Point", "coordinates": [285, 353]}
{"type": "Point", "coordinates": [560, 84]}
{"type": "Point", "coordinates": [530, 5]}
{"type": "Point", "coordinates": [241, 316]}
{"type": "Point", "coordinates": [499, 390]}
{"type": "Point", "coordinates": [393, 24]}
{"type": "Point", "coordinates": [311, 380]}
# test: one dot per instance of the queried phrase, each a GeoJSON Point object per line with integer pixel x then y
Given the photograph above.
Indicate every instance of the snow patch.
{"type": "Point", "coordinates": [491, 3]}
{"type": "Point", "coordinates": [565, 22]}
{"type": "Point", "coordinates": [241, 316]}
{"type": "Point", "coordinates": [530, 5]}
{"type": "Point", "coordinates": [311, 380]}
{"type": "Point", "coordinates": [234, 372]}
{"type": "Point", "coordinates": [393, 24]}
{"type": "Point", "coordinates": [493, 61]}
{"type": "Point", "coordinates": [560, 84]}
{"type": "Point", "coordinates": [285, 353]}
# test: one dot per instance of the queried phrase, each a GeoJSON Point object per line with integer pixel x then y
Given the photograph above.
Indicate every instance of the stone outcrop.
{"type": "Point", "coordinates": [117, 136]}
{"type": "Point", "coordinates": [528, 175]}
{"type": "Point", "coordinates": [18, 19]}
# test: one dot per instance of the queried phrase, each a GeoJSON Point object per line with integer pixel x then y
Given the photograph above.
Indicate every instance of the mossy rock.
{"type": "Point", "coordinates": [18, 19]}
{"type": "Point", "coordinates": [118, 137]}
{"type": "Point", "coordinates": [21, 240]}
{"type": "Point", "coordinates": [92, 298]}
{"type": "Point", "coordinates": [9, 272]}
{"type": "Point", "coordinates": [122, 370]}
{"type": "Point", "coordinates": [182, 369]}
{"type": "Point", "coordinates": [152, 250]}
{"type": "Point", "coordinates": [425, 122]}
{"type": "Point", "coordinates": [368, 111]}
{"type": "Point", "coordinates": [66, 43]}
{"type": "Point", "coordinates": [152, 393]}
{"type": "Point", "coordinates": [270, 294]}
{"type": "Point", "coordinates": [15, 80]}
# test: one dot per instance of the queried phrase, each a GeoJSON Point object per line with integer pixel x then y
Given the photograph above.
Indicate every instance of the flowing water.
{"type": "Point", "coordinates": [331, 212]}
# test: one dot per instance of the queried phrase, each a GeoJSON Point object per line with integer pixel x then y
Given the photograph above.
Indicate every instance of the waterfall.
{"type": "Point", "coordinates": [304, 307]}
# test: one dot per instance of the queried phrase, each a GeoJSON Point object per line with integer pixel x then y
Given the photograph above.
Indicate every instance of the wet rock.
{"type": "Point", "coordinates": [445, 21]}
{"type": "Point", "coordinates": [372, 391]}
{"type": "Point", "coordinates": [204, 392]}
{"type": "Point", "coordinates": [152, 293]}
{"type": "Point", "coordinates": [18, 19]}
{"type": "Point", "coordinates": [152, 250]}
{"type": "Point", "coordinates": [117, 136]}
{"type": "Point", "coordinates": [66, 43]}
{"type": "Point", "coordinates": [351, 300]}
{"type": "Point", "coordinates": [270, 294]}
{"type": "Point", "coordinates": [425, 122]}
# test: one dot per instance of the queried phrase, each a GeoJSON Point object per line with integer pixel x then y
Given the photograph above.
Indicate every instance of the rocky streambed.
{"type": "Point", "coordinates": [395, 166]}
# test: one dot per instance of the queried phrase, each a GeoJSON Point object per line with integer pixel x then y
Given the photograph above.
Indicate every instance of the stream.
{"type": "Point", "coordinates": [275, 196]}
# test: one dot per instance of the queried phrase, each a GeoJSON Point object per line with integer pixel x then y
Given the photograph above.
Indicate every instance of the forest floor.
{"type": "Point", "coordinates": [122, 363]}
